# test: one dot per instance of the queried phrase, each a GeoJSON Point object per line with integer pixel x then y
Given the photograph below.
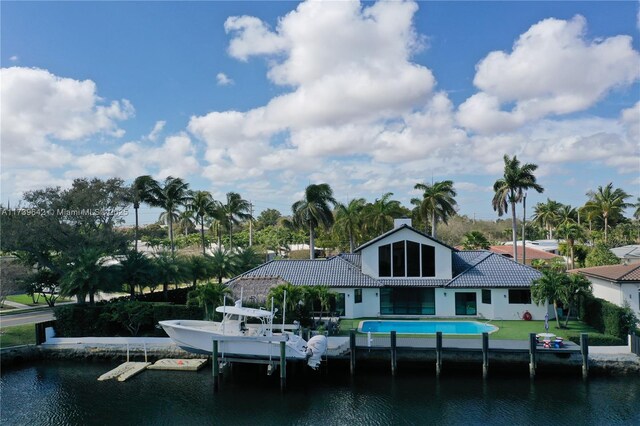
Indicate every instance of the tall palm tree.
{"type": "Point", "coordinates": [417, 218]}
{"type": "Point", "coordinates": [510, 188]}
{"type": "Point", "coordinates": [567, 215]}
{"type": "Point", "coordinates": [349, 219]}
{"type": "Point", "coordinates": [168, 269]}
{"type": "Point", "coordinates": [86, 274]}
{"type": "Point", "coordinates": [549, 289]}
{"type": "Point", "coordinates": [235, 210]}
{"type": "Point", "coordinates": [185, 221]}
{"type": "Point", "coordinates": [571, 231]}
{"type": "Point", "coordinates": [313, 210]}
{"type": "Point", "coordinates": [203, 205]}
{"type": "Point", "coordinates": [173, 193]}
{"type": "Point", "coordinates": [438, 202]}
{"type": "Point", "coordinates": [546, 215]}
{"type": "Point", "coordinates": [139, 190]}
{"type": "Point", "coordinates": [608, 203]}
{"type": "Point", "coordinates": [223, 264]}
{"type": "Point", "coordinates": [379, 215]}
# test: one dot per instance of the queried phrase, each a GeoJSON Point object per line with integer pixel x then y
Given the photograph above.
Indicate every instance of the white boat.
{"type": "Point", "coordinates": [239, 338]}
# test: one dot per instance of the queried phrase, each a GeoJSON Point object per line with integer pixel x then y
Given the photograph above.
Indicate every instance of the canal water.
{"type": "Point", "coordinates": [67, 393]}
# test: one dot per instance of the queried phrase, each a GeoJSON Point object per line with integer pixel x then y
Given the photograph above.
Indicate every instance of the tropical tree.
{"type": "Point", "coordinates": [549, 288]}
{"type": "Point", "coordinates": [235, 210]}
{"type": "Point", "coordinates": [167, 270]}
{"type": "Point", "coordinates": [209, 296]}
{"type": "Point", "coordinates": [438, 202]}
{"type": "Point", "coordinates": [600, 255]}
{"type": "Point", "coordinates": [608, 203]}
{"type": "Point", "coordinates": [348, 219]}
{"type": "Point", "coordinates": [546, 215]}
{"type": "Point", "coordinates": [510, 188]}
{"type": "Point", "coordinates": [379, 215]}
{"type": "Point", "coordinates": [169, 196]}
{"type": "Point", "coordinates": [571, 231]}
{"type": "Point", "coordinates": [246, 260]}
{"type": "Point", "coordinates": [139, 190]}
{"type": "Point", "coordinates": [575, 286]}
{"type": "Point", "coordinates": [318, 294]}
{"type": "Point", "coordinates": [197, 268]}
{"type": "Point", "coordinates": [294, 295]}
{"type": "Point", "coordinates": [185, 221]}
{"type": "Point", "coordinates": [636, 212]}
{"type": "Point", "coordinates": [566, 215]}
{"type": "Point", "coordinates": [223, 264]}
{"type": "Point", "coordinates": [135, 270]}
{"type": "Point", "coordinates": [204, 206]}
{"type": "Point", "coordinates": [86, 274]}
{"type": "Point", "coordinates": [313, 210]}
{"type": "Point", "coordinates": [475, 240]}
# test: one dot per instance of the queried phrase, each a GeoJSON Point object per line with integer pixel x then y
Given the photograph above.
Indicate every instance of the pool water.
{"type": "Point", "coordinates": [426, 327]}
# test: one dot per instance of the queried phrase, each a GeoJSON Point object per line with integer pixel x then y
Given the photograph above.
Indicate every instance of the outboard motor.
{"type": "Point", "coordinates": [316, 347]}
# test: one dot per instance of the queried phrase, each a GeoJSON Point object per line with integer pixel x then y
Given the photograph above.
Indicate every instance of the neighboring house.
{"type": "Point", "coordinates": [628, 255]}
{"type": "Point", "coordinates": [407, 272]}
{"type": "Point", "coordinates": [530, 255]}
{"type": "Point", "coordinates": [615, 283]}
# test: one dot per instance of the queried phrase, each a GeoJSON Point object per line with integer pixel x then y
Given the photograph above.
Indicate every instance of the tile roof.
{"type": "Point", "coordinates": [353, 258]}
{"type": "Point", "coordinates": [613, 272]}
{"type": "Point", "coordinates": [531, 253]}
{"type": "Point", "coordinates": [494, 270]}
{"type": "Point", "coordinates": [333, 272]}
{"type": "Point", "coordinates": [627, 252]}
{"type": "Point", "coordinates": [463, 260]}
{"type": "Point", "coordinates": [403, 226]}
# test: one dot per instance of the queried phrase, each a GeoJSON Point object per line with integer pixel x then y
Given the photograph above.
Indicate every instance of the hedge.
{"type": "Point", "coordinates": [600, 340]}
{"type": "Point", "coordinates": [97, 321]}
{"type": "Point", "coordinates": [606, 317]}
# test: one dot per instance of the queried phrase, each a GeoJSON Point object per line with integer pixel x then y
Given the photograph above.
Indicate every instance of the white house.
{"type": "Point", "coordinates": [405, 272]}
{"type": "Point", "coordinates": [615, 283]}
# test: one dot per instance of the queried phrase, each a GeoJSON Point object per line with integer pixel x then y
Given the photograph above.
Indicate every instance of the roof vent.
{"type": "Point", "coordinates": [397, 223]}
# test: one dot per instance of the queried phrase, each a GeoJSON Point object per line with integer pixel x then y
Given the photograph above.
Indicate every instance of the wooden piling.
{"type": "Point", "coordinates": [438, 353]}
{"type": "Point", "coordinates": [485, 355]}
{"type": "Point", "coordinates": [533, 343]}
{"type": "Point", "coordinates": [584, 349]}
{"type": "Point", "coordinates": [216, 366]}
{"type": "Point", "coordinates": [352, 350]}
{"type": "Point", "coordinates": [283, 366]}
{"type": "Point", "coordinates": [394, 358]}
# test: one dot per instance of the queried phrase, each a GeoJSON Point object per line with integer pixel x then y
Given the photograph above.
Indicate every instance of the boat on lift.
{"type": "Point", "coordinates": [244, 333]}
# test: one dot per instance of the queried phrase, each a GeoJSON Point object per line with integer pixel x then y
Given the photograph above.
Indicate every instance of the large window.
{"type": "Point", "coordinates": [486, 297]}
{"type": "Point", "coordinates": [406, 259]}
{"type": "Point", "coordinates": [466, 304]}
{"type": "Point", "coordinates": [520, 297]}
{"type": "Point", "coordinates": [357, 295]}
{"type": "Point", "coordinates": [407, 301]}
{"type": "Point", "coordinates": [336, 304]}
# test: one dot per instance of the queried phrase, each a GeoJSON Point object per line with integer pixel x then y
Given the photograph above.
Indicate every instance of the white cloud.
{"type": "Point", "coordinates": [223, 79]}
{"type": "Point", "coordinates": [552, 70]}
{"type": "Point", "coordinates": [14, 58]}
{"type": "Point", "coordinates": [157, 129]}
{"type": "Point", "coordinates": [41, 112]}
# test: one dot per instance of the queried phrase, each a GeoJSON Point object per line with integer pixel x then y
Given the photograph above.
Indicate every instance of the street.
{"type": "Point", "coordinates": [25, 318]}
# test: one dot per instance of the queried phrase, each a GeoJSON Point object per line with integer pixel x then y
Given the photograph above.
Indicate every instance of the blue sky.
{"type": "Point", "coordinates": [263, 98]}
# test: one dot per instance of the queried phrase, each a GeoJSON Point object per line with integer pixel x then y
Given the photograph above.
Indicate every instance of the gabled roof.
{"type": "Point", "coordinates": [623, 273]}
{"type": "Point", "coordinates": [495, 270]}
{"type": "Point", "coordinates": [332, 272]}
{"type": "Point", "coordinates": [394, 230]}
{"type": "Point", "coordinates": [463, 260]}
{"type": "Point", "coordinates": [531, 253]}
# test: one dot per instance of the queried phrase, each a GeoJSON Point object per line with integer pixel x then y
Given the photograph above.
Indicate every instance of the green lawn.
{"type": "Point", "coordinates": [17, 335]}
{"type": "Point", "coordinates": [507, 330]}
{"type": "Point", "coordinates": [25, 299]}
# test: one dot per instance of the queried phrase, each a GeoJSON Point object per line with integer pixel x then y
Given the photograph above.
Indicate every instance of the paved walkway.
{"type": "Point", "coordinates": [16, 305]}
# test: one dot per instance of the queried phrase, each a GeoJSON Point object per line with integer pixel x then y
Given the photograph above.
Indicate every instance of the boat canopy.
{"type": "Point", "coordinates": [246, 312]}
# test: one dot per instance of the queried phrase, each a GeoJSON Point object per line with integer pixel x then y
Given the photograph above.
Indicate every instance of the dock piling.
{"type": "Point", "coordinates": [584, 349]}
{"type": "Point", "coordinates": [533, 343]}
{"type": "Point", "coordinates": [485, 355]}
{"type": "Point", "coordinates": [216, 366]}
{"type": "Point", "coordinates": [438, 353]}
{"type": "Point", "coordinates": [352, 351]}
{"type": "Point", "coordinates": [394, 353]}
{"type": "Point", "coordinates": [283, 366]}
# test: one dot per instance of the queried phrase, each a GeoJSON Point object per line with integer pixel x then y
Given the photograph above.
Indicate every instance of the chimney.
{"type": "Point", "coordinates": [397, 223]}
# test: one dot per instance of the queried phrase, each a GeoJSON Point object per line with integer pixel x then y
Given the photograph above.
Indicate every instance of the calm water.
{"type": "Point", "coordinates": [67, 393]}
{"type": "Point", "coordinates": [427, 327]}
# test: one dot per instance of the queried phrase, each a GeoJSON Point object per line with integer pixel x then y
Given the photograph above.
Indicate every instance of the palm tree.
{"type": "Point", "coordinates": [246, 260]}
{"type": "Point", "coordinates": [167, 270]}
{"type": "Point", "coordinates": [223, 264]}
{"type": "Point", "coordinates": [139, 190]}
{"type": "Point", "coordinates": [313, 210]}
{"type": "Point", "coordinates": [608, 203]}
{"type": "Point", "coordinates": [438, 202]}
{"type": "Point", "coordinates": [209, 296]}
{"type": "Point", "coordinates": [185, 221]}
{"type": "Point", "coordinates": [636, 213]}
{"type": "Point", "coordinates": [510, 188]}
{"type": "Point", "coordinates": [379, 215]}
{"type": "Point", "coordinates": [349, 219]}
{"type": "Point", "coordinates": [566, 215]}
{"type": "Point", "coordinates": [135, 269]}
{"type": "Point", "coordinates": [549, 288]}
{"type": "Point", "coordinates": [203, 205]}
{"type": "Point", "coordinates": [571, 232]}
{"type": "Point", "coordinates": [475, 240]}
{"type": "Point", "coordinates": [197, 268]}
{"type": "Point", "coordinates": [234, 210]}
{"type": "Point", "coordinates": [575, 286]}
{"type": "Point", "coordinates": [417, 218]}
{"type": "Point", "coordinates": [174, 193]}
{"type": "Point", "coordinates": [86, 274]}
{"type": "Point", "coordinates": [546, 215]}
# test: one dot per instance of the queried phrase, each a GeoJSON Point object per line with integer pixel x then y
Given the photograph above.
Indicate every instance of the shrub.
{"type": "Point", "coordinates": [133, 316]}
{"type": "Point", "coordinates": [606, 317]}
{"type": "Point", "coordinates": [78, 321]}
{"type": "Point", "coordinates": [600, 340]}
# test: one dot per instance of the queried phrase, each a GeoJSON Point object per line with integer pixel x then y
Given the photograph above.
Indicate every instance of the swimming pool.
{"type": "Point", "coordinates": [426, 327]}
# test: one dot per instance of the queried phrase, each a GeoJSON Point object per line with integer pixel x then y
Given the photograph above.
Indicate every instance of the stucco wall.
{"type": "Point", "coordinates": [617, 293]}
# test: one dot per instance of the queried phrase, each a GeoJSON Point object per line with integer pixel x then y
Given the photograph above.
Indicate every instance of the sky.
{"type": "Point", "coordinates": [264, 98]}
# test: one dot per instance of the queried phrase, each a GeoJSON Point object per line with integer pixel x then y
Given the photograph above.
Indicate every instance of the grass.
{"type": "Point", "coordinates": [25, 299]}
{"type": "Point", "coordinates": [17, 335]}
{"type": "Point", "coordinates": [507, 330]}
